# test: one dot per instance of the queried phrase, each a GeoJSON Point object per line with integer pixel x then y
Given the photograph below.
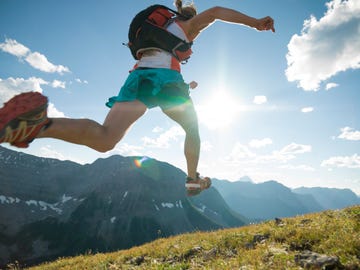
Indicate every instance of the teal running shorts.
{"type": "Point", "coordinates": [153, 87]}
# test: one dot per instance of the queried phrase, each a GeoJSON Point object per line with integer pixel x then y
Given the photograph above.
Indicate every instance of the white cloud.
{"type": "Point", "coordinates": [13, 86]}
{"type": "Point", "coordinates": [352, 162]}
{"type": "Point", "coordinates": [325, 46]}
{"type": "Point", "coordinates": [331, 85]}
{"type": "Point", "coordinates": [39, 61]}
{"type": "Point", "coordinates": [35, 59]}
{"type": "Point", "coordinates": [13, 47]}
{"type": "Point", "coordinates": [48, 152]}
{"type": "Point", "coordinates": [239, 152]}
{"type": "Point", "coordinates": [164, 139]}
{"type": "Point", "coordinates": [295, 148]}
{"type": "Point", "coordinates": [290, 151]}
{"type": "Point", "coordinates": [260, 143]}
{"type": "Point", "coordinates": [80, 81]}
{"type": "Point", "coordinates": [127, 150]}
{"type": "Point", "coordinates": [53, 112]}
{"type": "Point", "coordinates": [349, 133]}
{"type": "Point", "coordinates": [58, 84]}
{"type": "Point", "coordinates": [157, 129]}
{"type": "Point", "coordinates": [260, 100]}
{"type": "Point", "coordinates": [307, 109]}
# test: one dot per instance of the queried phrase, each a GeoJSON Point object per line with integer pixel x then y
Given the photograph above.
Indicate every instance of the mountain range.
{"type": "Point", "coordinates": [51, 208]}
{"type": "Point", "coordinates": [271, 199]}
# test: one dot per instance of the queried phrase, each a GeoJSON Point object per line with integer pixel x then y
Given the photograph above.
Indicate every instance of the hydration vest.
{"type": "Point", "coordinates": [148, 31]}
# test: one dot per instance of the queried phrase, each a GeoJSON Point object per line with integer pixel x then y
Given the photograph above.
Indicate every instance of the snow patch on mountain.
{"type": "Point", "coordinates": [41, 205]}
{"type": "Point", "coordinates": [9, 200]}
{"type": "Point", "coordinates": [170, 205]}
{"type": "Point", "coordinates": [202, 208]}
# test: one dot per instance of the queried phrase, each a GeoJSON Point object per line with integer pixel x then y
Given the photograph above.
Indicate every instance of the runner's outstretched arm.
{"type": "Point", "coordinates": [198, 23]}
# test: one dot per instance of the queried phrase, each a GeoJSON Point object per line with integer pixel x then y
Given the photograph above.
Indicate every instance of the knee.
{"type": "Point", "coordinates": [192, 131]}
{"type": "Point", "coordinates": [106, 145]}
{"type": "Point", "coordinates": [192, 128]}
{"type": "Point", "coordinates": [104, 148]}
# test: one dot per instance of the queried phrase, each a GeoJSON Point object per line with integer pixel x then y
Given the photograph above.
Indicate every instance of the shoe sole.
{"type": "Point", "coordinates": [196, 191]}
{"type": "Point", "coordinates": [21, 107]}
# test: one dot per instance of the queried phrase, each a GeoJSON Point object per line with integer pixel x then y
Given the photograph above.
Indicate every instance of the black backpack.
{"type": "Point", "coordinates": [148, 30]}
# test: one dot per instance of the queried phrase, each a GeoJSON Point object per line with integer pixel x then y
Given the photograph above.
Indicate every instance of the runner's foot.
{"type": "Point", "coordinates": [194, 187]}
{"type": "Point", "coordinates": [22, 118]}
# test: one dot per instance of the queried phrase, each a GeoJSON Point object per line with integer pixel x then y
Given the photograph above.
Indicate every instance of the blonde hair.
{"type": "Point", "coordinates": [189, 10]}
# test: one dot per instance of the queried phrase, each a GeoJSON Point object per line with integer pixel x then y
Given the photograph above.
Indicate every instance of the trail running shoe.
{"type": "Point", "coordinates": [22, 118]}
{"type": "Point", "coordinates": [194, 187]}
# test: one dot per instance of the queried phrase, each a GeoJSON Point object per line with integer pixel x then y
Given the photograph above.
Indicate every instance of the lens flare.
{"type": "Point", "coordinates": [139, 162]}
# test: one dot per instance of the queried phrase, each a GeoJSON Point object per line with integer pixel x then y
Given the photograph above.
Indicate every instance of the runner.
{"type": "Point", "coordinates": [155, 81]}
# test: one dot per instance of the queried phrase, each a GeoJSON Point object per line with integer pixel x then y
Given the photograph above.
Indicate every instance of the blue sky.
{"type": "Point", "coordinates": [281, 106]}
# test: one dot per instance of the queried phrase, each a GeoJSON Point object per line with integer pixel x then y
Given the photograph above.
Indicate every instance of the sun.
{"type": "Point", "coordinates": [219, 111]}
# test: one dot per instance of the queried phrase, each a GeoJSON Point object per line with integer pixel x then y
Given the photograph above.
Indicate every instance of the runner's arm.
{"type": "Point", "coordinates": [195, 25]}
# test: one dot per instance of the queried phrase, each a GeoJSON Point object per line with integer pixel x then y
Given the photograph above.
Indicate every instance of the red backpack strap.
{"type": "Point", "coordinates": [160, 16]}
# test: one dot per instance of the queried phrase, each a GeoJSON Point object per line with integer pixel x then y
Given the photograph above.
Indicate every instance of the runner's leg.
{"type": "Point", "coordinates": [185, 116]}
{"type": "Point", "coordinates": [90, 133]}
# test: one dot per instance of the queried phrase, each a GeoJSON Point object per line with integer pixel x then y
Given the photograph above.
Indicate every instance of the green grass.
{"type": "Point", "coordinates": [263, 246]}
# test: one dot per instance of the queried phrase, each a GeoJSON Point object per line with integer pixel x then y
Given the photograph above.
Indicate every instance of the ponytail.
{"type": "Point", "coordinates": [188, 11]}
{"type": "Point", "coordinates": [178, 4]}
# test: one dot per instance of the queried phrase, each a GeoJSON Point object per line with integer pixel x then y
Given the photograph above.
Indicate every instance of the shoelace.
{"type": "Point", "coordinates": [20, 134]}
{"type": "Point", "coordinates": [23, 130]}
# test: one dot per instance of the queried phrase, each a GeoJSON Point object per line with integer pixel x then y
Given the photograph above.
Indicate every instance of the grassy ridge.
{"type": "Point", "coordinates": [270, 245]}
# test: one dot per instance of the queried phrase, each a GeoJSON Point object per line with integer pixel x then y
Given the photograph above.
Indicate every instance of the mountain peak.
{"type": "Point", "coordinates": [245, 179]}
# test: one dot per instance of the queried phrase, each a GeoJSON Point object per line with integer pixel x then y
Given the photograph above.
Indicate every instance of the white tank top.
{"type": "Point", "coordinates": [157, 58]}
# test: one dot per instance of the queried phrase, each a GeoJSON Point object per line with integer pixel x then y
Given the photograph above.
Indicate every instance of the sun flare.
{"type": "Point", "coordinates": [219, 111]}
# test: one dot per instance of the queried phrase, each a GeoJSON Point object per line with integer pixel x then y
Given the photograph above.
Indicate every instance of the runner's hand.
{"type": "Point", "coordinates": [265, 24]}
{"type": "Point", "coordinates": [193, 85]}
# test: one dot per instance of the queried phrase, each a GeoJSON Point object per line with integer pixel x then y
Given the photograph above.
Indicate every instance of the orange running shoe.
{"type": "Point", "coordinates": [22, 118]}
